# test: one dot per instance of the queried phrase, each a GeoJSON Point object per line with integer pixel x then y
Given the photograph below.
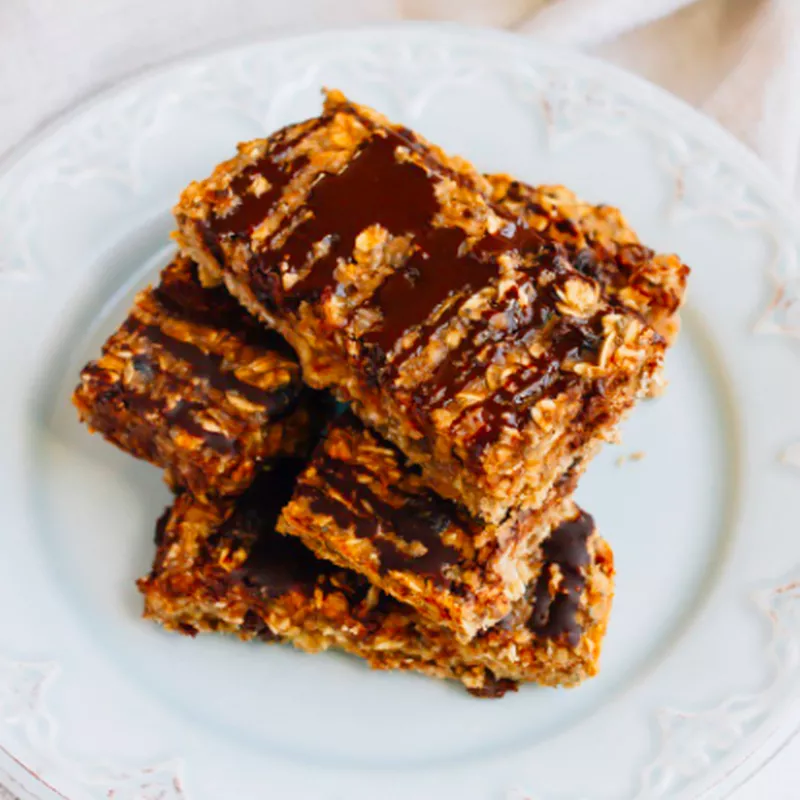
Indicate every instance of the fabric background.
{"type": "Point", "coordinates": [737, 60]}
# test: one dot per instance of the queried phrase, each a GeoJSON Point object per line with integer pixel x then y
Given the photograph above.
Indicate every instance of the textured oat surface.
{"type": "Point", "coordinates": [191, 383]}
{"type": "Point", "coordinates": [459, 333]}
{"type": "Point", "coordinates": [222, 567]}
{"type": "Point", "coordinates": [601, 244]}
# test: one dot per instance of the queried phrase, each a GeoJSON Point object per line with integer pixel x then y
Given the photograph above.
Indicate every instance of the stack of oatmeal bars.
{"type": "Point", "coordinates": [373, 377]}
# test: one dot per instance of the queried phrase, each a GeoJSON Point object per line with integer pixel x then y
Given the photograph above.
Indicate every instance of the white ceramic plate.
{"type": "Point", "coordinates": [701, 672]}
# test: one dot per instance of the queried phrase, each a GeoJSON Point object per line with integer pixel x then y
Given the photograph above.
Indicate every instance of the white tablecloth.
{"type": "Point", "coordinates": [738, 60]}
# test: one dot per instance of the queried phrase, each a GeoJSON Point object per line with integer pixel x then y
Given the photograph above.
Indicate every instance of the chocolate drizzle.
{"type": "Point", "coordinates": [181, 415]}
{"type": "Point", "coordinates": [436, 272]}
{"type": "Point", "coordinates": [346, 492]}
{"type": "Point", "coordinates": [182, 297]}
{"type": "Point", "coordinates": [374, 189]}
{"type": "Point", "coordinates": [211, 367]}
{"type": "Point", "coordinates": [543, 377]}
{"type": "Point", "coordinates": [486, 344]}
{"type": "Point", "coordinates": [566, 549]}
{"type": "Point", "coordinates": [274, 170]}
{"type": "Point", "coordinates": [276, 564]}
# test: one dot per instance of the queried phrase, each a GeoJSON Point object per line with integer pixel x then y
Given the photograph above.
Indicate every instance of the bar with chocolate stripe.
{"type": "Point", "coordinates": [191, 383]}
{"type": "Point", "coordinates": [221, 566]}
{"type": "Point", "coordinates": [454, 328]}
{"type": "Point", "coordinates": [360, 505]}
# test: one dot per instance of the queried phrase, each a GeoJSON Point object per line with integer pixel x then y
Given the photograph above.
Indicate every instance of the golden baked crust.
{"type": "Point", "coordinates": [191, 383]}
{"type": "Point", "coordinates": [454, 329]}
{"type": "Point", "coordinates": [222, 567]}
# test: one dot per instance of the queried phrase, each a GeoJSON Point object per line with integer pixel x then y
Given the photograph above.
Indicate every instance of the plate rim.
{"type": "Point", "coordinates": [748, 163]}
{"type": "Point", "coordinates": [50, 125]}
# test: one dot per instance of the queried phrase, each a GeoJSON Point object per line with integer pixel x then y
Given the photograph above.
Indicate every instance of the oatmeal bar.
{"type": "Point", "coordinates": [359, 505]}
{"type": "Point", "coordinates": [191, 383]}
{"type": "Point", "coordinates": [601, 244]}
{"type": "Point", "coordinates": [456, 331]}
{"type": "Point", "coordinates": [221, 567]}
